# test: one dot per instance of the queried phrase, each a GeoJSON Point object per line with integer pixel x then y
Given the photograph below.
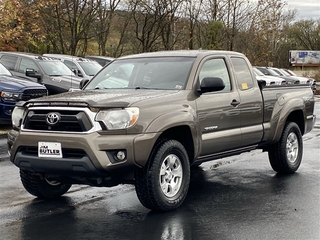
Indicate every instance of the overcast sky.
{"type": "Point", "coordinates": [306, 9]}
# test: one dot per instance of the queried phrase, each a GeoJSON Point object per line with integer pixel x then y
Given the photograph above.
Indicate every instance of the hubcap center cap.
{"type": "Point", "coordinates": [169, 175]}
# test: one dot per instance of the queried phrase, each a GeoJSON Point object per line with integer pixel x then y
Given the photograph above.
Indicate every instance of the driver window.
{"type": "Point", "coordinates": [216, 68]}
{"type": "Point", "coordinates": [27, 63]}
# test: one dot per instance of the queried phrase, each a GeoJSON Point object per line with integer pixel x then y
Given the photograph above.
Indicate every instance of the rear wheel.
{"type": "Point", "coordinates": [164, 183]}
{"type": "Point", "coordinates": [42, 187]}
{"type": "Point", "coordinates": [285, 156]}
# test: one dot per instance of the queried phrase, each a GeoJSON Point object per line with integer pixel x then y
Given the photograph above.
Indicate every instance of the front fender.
{"type": "Point", "coordinates": [186, 117]}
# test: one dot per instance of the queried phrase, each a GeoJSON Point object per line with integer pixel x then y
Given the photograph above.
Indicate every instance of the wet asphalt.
{"type": "Point", "coordinates": [240, 197]}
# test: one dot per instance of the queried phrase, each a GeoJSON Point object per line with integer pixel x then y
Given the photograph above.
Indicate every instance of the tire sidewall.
{"type": "Point", "coordinates": [39, 187]}
{"type": "Point", "coordinates": [292, 128]}
{"type": "Point", "coordinates": [167, 148]}
{"type": "Point", "coordinates": [52, 191]}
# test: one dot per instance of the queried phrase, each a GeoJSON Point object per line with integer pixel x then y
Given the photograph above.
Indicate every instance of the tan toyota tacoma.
{"type": "Point", "coordinates": [146, 119]}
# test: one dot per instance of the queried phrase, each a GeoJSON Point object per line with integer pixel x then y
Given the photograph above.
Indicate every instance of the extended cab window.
{"type": "Point", "coordinates": [27, 63]}
{"type": "Point", "coordinates": [216, 68]}
{"type": "Point", "coordinates": [9, 61]}
{"type": "Point", "coordinates": [243, 73]}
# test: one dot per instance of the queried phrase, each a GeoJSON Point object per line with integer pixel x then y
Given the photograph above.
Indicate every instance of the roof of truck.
{"type": "Point", "coordinates": [182, 53]}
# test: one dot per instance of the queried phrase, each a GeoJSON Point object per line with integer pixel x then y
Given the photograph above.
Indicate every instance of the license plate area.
{"type": "Point", "coordinates": [49, 149]}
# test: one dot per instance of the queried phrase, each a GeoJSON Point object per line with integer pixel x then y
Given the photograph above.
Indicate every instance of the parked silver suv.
{"type": "Point", "coordinates": [84, 68]}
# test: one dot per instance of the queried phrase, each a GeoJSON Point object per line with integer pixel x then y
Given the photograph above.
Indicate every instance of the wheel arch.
{"type": "Point", "coordinates": [183, 135]}
{"type": "Point", "coordinates": [296, 116]}
{"type": "Point", "coordinates": [180, 125]}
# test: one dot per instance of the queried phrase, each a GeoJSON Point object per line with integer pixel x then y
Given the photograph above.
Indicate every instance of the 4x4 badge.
{"type": "Point", "coordinates": [52, 118]}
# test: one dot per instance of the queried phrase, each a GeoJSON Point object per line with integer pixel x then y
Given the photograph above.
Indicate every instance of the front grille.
{"type": "Point", "coordinates": [33, 93]}
{"type": "Point", "coordinates": [70, 121]}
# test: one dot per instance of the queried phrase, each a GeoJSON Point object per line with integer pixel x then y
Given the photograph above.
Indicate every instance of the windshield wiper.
{"type": "Point", "coordinates": [141, 88]}
{"type": "Point", "coordinates": [100, 88]}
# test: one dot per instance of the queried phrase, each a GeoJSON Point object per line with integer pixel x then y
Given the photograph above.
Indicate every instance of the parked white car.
{"type": "Point", "coordinates": [303, 80]}
{"type": "Point", "coordinates": [270, 80]}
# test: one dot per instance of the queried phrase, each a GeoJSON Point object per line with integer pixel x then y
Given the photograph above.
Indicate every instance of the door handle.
{"type": "Point", "coordinates": [235, 103]}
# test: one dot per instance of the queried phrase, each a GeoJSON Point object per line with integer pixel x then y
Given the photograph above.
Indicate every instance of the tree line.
{"type": "Point", "coordinates": [264, 30]}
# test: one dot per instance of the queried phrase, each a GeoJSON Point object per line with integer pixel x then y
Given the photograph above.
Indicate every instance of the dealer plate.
{"type": "Point", "coordinates": [49, 149]}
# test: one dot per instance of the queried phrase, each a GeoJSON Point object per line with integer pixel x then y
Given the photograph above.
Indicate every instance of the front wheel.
{"type": "Point", "coordinates": [42, 187]}
{"type": "Point", "coordinates": [164, 183]}
{"type": "Point", "coordinates": [285, 156]}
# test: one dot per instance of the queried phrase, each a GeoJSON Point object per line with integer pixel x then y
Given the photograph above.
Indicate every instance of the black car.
{"type": "Point", "coordinates": [14, 89]}
{"type": "Point", "coordinates": [51, 72]}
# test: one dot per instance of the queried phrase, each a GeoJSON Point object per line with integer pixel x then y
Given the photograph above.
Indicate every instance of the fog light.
{"type": "Point", "coordinates": [121, 155]}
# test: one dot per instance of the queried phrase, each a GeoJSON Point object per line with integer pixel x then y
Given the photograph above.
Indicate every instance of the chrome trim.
{"type": "Point", "coordinates": [96, 126]}
{"type": "Point", "coordinates": [314, 120]}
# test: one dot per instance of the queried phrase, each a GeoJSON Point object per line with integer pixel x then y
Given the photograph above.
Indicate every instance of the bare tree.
{"type": "Point", "coordinates": [170, 33]}
{"type": "Point", "coordinates": [154, 21]}
{"type": "Point", "coordinates": [306, 33]}
{"type": "Point", "coordinates": [105, 13]}
{"type": "Point", "coordinates": [67, 23]}
{"type": "Point", "coordinates": [121, 24]}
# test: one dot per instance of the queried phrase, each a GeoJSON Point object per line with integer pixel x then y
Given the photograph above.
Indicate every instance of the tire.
{"type": "Point", "coordinates": [163, 184]}
{"type": "Point", "coordinates": [285, 156]}
{"type": "Point", "coordinates": [42, 187]}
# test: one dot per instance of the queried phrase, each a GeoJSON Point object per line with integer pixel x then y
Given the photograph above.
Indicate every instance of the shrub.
{"type": "Point", "coordinates": [315, 74]}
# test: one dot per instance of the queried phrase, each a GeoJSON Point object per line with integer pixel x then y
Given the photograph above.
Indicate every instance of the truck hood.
{"type": "Point", "coordinates": [104, 98]}
{"type": "Point", "coordinates": [14, 83]}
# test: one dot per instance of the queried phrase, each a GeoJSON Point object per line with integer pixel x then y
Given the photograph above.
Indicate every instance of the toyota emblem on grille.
{"type": "Point", "coordinates": [52, 118]}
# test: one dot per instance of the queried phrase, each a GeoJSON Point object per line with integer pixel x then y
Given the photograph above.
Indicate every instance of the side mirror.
{"type": "Point", "coordinates": [32, 73]}
{"type": "Point", "coordinates": [83, 83]}
{"type": "Point", "coordinates": [262, 84]}
{"type": "Point", "coordinates": [211, 84]}
{"type": "Point", "coordinates": [77, 72]}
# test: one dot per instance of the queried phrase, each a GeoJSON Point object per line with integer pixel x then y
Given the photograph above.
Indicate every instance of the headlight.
{"type": "Point", "coordinates": [17, 115]}
{"type": "Point", "coordinates": [10, 96]}
{"type": "Point", "coordinates": [118, 119]}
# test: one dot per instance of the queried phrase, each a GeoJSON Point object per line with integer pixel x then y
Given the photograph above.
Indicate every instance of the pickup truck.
{"type": "Point", "coordinates": [50, 72]}
{"type": "Point", "coordinates": [146, 119]}
{"type": "Point", "coordinates": [14, 89]}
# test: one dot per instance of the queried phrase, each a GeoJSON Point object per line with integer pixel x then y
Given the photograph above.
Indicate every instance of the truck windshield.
{"type": "Point", "coordinates": [56, 68]}
{"type": "Point", "coordinates": [154, 73]}
{"type": "Point", "coordinates": [4, 71]}
{"type": "Point", "coordinates": [90, 68]}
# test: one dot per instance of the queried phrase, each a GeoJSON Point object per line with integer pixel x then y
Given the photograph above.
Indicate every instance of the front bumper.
{"type": "Point", "coordinates": [88, 155]}
{"type": "Point", "coordinates": [310, 123]}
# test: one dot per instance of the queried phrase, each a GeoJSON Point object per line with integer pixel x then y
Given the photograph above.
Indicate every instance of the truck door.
{"type": "Point", "coordinates": [251, 103]}
{"type": "Point", "coordinates": [218, 112]}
